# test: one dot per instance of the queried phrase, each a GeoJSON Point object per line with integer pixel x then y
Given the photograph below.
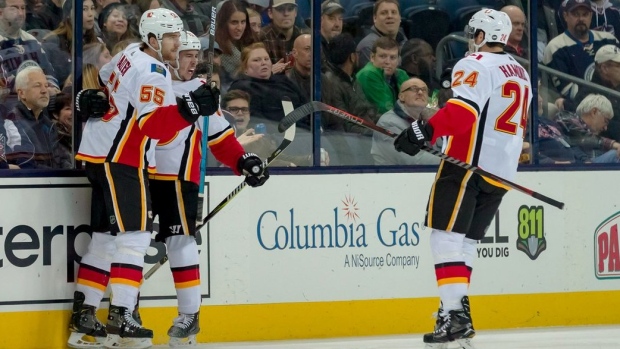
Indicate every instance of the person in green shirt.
{"type": "Point", "coordinates": [380, 78]}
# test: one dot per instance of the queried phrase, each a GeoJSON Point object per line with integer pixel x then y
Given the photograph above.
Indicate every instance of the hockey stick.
{"type": "Point", "coordinates": [205, 124]}
{"type": "Point", "coordinates": [291, 119]}
{"type": "Point", "coordinates": [289, 135]}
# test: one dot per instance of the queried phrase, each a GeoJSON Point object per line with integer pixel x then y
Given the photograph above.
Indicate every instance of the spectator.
{"type": "Point", "coordinates": [386, 18]}
{"type": "Point", "coordinates": [331, 23]}
{"type": "Point", "coordinates": [62, 128]}
{"type": "Point", "coordinates": [279, 35]}
{"type": "Point", "coordinates": [17, 46]}
{"type": "Point", "coordinates": [553, 146]}
{"type": "Point", "coordinates": [346, 93]}
{"type": "Point", "coordinates": [255, 21]}
{"type": "Point", "coordinates": [606, 17]}
{"type": "Point", "coordinates": [145, 5]}
{"type": "Point", "coordinates": [418, 60]}
{"type": "Point", "coordinates": [302, 64]}
{"type": "Point", "coordinates": [516, 45]}
{"type": "Point", "coordinates": [193, 19]}
{"type": "Point", "coordinates": [583, 128]}
{"type": "Point", "coordinates": [233, 33]}
{"type": "Point", "coordinates": [52, 12]}
{"type": "Point", "coordinates": [266, 88]}
{"type": "Point", "coordinates": [57, 44]}
{"type": "Point", "coordinates": [572, 52]}
{"type": "Point", "coordinates": [36, 16]}
{"type": "Point", "coordinates": [30, 116]}
{"type": "Point", "coordinates": [96, 54]}
{"type": "Point", "coordinates": [380, 78]}
{"type": "Point", "coordinates": [90, 77]}
{"type": "Point", "coordinates": [114, 25]}
{"type": "Point", "coordinates": [412, 100]}
{"type": "Point", "coordinates": [16, 150]}
{"type": "Point", "coordinates": [237, 104]}
{"type": "Point", "coordinates": [606, 73]}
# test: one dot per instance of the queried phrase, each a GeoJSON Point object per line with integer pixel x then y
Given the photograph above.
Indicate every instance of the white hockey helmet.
{"type": "Point", "coordinates": [158, 22]}
{"type": "Point", "coordinates": [189, 41]}
{"type": "Point", "coordinates": [496, 26]}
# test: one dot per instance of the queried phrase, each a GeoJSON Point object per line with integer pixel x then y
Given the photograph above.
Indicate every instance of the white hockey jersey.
{"type": "Point", "coordinates": [179, 157]}
{"type": "Point", "coordinates": [142, 109]}
{"type": "Point", "coordinates": [494, 90]}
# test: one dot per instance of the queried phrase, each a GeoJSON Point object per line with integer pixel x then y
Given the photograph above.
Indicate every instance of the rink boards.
{"type": "Point", "coordinates": [326, 256]}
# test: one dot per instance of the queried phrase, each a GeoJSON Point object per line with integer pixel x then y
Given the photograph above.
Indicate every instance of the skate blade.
{"type": "Point", "coordinates": [83, 341]}
{"type": "Point", "coordinates": [466, 343]}
{"type": "Point", "coordinates": [436, 346]}
{"type": "Point", "coordinates": [182, 342]}
{"type": "Point", "coordinates": [114, 341]}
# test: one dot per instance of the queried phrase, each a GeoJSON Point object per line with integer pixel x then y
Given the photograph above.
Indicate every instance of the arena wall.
{"type": "Point", "coordinates": [315, 256]}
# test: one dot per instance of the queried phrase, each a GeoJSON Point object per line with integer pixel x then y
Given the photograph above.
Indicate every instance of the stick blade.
{"type": "Point", "coordinates": [287, 105]}
{"type": "Point", "coordinates": [296, 115]}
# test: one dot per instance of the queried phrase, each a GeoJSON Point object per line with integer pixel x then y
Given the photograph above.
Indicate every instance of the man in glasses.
{"type": "Point", "coordinates": [412, 101]}
{"type": "Point", "coordinates": [279, 35]}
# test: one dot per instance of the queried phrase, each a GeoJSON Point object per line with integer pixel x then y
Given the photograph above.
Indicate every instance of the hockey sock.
{"type": "Point", "coordinates": [469, 253]}
{"type": "Point", "coordinates": [94, 272]}
{"type": "Point", "coordinates": [184, 264]}
{"type": "Point", "coordinates": [450, 268]}
{"type": "Point", "coordinates": [126, 270]}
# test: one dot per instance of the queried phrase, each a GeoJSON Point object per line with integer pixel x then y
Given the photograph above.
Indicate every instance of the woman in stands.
{"type": "Point", "coordinates": [57, 44]}
{"type": "Point", "coordinates": [267, 90]}
{"type": "Point", "coordinates": [233, 33]}
{"type": "Point", "coordinates": [114, 25]}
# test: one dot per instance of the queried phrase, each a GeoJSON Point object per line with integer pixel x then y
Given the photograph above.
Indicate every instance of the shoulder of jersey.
{"type": "Point", "coordinates": [145, 63]}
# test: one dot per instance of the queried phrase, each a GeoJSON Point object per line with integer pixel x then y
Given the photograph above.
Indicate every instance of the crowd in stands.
{"type": "Point", "coordinates": [377, 62]}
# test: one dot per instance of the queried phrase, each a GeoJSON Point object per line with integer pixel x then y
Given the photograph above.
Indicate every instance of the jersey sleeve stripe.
{"type": "Point", "coordinates": [166, 142]}
{"type": "Point", "coordinates": [218, 137]}
{"type": "Point", "coordinates": [467, 104]}
{"type": "Point", "coordinates": [142, 119]}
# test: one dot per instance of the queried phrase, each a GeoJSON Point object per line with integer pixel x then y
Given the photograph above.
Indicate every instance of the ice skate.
{"type": "Point", "coordinates": [125, 332]}
{"type": "Point", "coordinates": [136, 312]}
{"type": "Point", "coordinates": [454, 326]}
{"type": "Point", "coordinates": [183, 331]}
{"type": "Point", "coordinates": [86, 330]}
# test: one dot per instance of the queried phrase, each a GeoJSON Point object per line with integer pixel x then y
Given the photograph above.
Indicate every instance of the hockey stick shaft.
{"type": "Point", "coordinates": [319, 106]}
{"type": "Point", "coordinates": [289, 135]}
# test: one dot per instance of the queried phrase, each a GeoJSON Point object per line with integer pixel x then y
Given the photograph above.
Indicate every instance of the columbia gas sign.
{"type": "Point", "coordinates": [607, 249]}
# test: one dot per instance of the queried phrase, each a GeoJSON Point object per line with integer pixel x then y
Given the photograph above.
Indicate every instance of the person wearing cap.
{"type": "Point", "coordinates": [279, 35]}
{"type": "Point", "coordinates": [572, 52]}
{"type": "Point", "coordinates": [331, 23]}
{"type": "Point", "coordinates": [606, 73]}
{"type": "Point", "coordinates": [345, 93]}
{"type": "Point", "coordinates": [381, 78]}
{"type": "Point", "coordinates": [412, 101]}
{"type": "Point", "coordinates": [386, 19]}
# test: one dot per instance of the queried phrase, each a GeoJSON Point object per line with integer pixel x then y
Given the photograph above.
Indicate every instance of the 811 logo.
{"type": "Point", "coordinates": [607, 249]}
{"type": "Point", "coordinates": [531, 231]}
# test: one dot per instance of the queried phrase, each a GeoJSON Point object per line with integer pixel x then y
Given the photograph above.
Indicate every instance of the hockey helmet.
{"type": "Point", "coordinates": [496, 26]}
{"type": "Point", "coordinates": [189, 41]}
{"type": "Point", "coordinates": [158, 22]}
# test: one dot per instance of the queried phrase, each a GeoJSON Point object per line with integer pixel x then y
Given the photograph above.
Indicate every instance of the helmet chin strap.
{"type": "Point", "coordinates": [473, 48]}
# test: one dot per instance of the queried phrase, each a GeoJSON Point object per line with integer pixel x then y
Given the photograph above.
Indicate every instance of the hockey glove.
{"type": "Point", "coordinates": [253, 168]}
{"type": "Point", "coordinates": [92, 103]}
{"type": "Point", "coordinates": [203, 101]}
{"type": "Point", "coordinates": [413, 138]}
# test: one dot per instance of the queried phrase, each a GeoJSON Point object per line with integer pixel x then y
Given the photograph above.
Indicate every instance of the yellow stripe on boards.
{"type": "Point", "coordinates": [255, 322]}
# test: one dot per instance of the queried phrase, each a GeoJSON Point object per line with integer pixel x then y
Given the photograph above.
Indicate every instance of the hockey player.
{"type": "Point", "coordinates": [486, 121]}
{"type": "Point", "coordinates": [116, 147]}
{"type": "Point", "coordinates": [174, 191]}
